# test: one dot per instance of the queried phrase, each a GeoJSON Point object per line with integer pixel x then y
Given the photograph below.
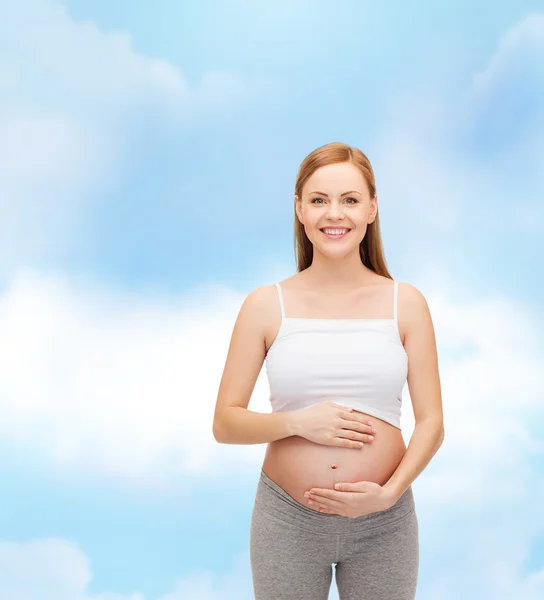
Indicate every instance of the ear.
{"type": "Point", "coordinates": [298, 210]}
{"type": "Point", "coordinates": [374, 210]}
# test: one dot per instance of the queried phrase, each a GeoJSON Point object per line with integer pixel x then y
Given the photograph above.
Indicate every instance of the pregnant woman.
{"type": "Point", "coordinates": [340, 338]}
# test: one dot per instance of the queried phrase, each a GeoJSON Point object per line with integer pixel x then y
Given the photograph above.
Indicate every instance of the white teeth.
{"type": "Point", "coordinates": [335, 231]}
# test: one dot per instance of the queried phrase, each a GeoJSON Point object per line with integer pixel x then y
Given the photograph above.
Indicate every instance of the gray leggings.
{"type": "Point", "coordinates": [293, 548]}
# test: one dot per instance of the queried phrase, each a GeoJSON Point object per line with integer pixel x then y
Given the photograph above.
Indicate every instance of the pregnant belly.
{"type": "Point", "coordinates": [297, 464]}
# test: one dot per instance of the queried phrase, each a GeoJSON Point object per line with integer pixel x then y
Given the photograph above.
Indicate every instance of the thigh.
{"type": "Point", "coordinates": [382, 564]}
{"type": "Point", "coordinates": [287, 562]}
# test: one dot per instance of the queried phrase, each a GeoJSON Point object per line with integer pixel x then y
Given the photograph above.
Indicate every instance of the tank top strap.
{"type": "Point", "coordinates": [280, 298]}
{"type": "Point", "coordinates": [395, 300]}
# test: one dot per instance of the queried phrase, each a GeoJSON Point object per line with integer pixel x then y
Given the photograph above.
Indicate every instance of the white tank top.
{"type": "Point", "coordinates": [358, 363]}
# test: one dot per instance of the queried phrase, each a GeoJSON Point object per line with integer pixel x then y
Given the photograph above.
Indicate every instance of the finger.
{"type": "Point", "coordinates": [317, 501]}
{"type": "Point", "coordinates": [357, 417]}
{"type": "Point", "coordinates": [363, 425]}
{"type": "Point", "coordinates": [345, 487]}
{"type": "Point", "coordinates": [345, 442]}
{"type": "Point", "coordinates": [324, 509]}
{"type": "Point", "coordinates": [325, 492]}
{"type": "Point", "coordinates": [363, 437]}
{"type": "Point", "coordinates": [350, 434]}
{"type": "Point", "coordinates": [326, 501]}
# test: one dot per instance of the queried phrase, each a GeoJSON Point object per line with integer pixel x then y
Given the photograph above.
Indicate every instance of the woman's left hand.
{"type": "Point", "coordinates": [351, 499]}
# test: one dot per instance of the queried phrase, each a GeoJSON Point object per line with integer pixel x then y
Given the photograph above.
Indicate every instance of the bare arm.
{"type": "Point", "coordinates": [244, 426]}
{"type": "Point", "coordinates": [233, 422]}
{"type": "Point", "coordinates": [425, 393]}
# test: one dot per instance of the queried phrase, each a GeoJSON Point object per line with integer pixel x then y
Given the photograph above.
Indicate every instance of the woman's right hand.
{"type": "Point", "coordinates": [331, 424]}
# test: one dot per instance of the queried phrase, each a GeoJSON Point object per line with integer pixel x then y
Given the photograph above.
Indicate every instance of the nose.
{"type": "Point", "coordinates": [335, 212]}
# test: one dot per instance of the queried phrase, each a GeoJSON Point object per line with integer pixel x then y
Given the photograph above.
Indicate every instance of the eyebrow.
{"type": "Point", "coordinates": [344, 194]}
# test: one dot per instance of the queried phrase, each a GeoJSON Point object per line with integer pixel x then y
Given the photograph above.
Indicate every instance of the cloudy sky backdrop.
{"type": "Point", "coordinates": [147, 161]}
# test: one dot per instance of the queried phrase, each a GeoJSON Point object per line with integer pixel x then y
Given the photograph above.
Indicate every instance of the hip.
{"type": "Point", "coordinates": [273, 503]}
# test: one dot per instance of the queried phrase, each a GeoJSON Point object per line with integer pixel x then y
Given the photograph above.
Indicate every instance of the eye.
{"type": "Point", "coordinates": [355, 201]}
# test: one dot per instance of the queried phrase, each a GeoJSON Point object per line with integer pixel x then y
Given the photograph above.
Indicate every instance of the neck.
{"type": "Point", "coordinates": [343, 274]}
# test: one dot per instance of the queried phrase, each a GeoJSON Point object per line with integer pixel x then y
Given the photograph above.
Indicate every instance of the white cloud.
{"type": "Point", "coordinates": [68, 94]}
{"type": "Point", "coordinates": [100, 380]}
{"type": "Point", "coordinates": [56, 63]}
{"type": "Point", "coordinates": [47, 569]}
{"type": "Point", "coordinates": [457, 159]}
{"type": "Point", "coordinates": [235, 584]}
{"type": "Point", "coordinates": [57, 569]}
{"type": "Point", "coordinates": [106, 381]}
{"type": "Point", "coordinates": [521, 50]}
{"type": "Point", "coordinates": [506, 104]}
{"type": "Point", "coordinates": [127, 385]}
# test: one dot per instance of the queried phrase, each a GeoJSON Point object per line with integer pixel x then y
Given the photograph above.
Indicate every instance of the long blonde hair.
{"type": "Point", "coordinates": [371, 247]}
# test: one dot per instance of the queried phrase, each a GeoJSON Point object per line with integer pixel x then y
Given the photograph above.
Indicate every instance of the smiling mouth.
{"type": "Point", "coordinates": [333, 233]}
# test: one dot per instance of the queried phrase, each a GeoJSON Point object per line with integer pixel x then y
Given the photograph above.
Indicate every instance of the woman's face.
{"type": "Point", "coordinates": [326, 205]}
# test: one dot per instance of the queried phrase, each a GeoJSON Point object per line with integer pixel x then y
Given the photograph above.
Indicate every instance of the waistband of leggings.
{"type": "Point", "coordinates": [274, 501]}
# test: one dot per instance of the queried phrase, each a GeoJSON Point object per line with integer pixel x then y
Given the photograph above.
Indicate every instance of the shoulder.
{"type": "Point", "coordinates": [410, 293]}
{"type": "Point", "coordinates": [262, 305]}
{"type": "Point", "coordinates": [261, 311]}
{"type": "Point", "coordinates": [413, 306]}
{"type": "Point", "coordinates": [262, 297]}
{"type": "Point", "coordinates": [266, 297]}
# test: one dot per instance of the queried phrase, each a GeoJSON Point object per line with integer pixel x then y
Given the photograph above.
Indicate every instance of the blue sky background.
{"type": "Point", "coordinates": [148, 156]}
